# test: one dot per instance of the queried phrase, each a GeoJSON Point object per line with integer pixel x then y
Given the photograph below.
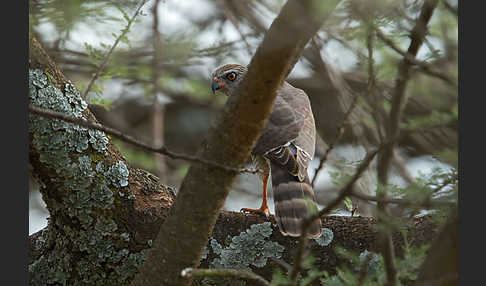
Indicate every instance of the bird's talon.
{"type": "Point", "coordinates": [264, 211]}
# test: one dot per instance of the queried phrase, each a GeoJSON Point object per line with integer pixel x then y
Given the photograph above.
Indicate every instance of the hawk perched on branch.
{"type": "Point", "coordinates": [283, 151]}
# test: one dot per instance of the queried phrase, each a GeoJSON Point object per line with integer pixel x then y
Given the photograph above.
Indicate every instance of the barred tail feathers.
{"type": "Point", "coordinates": [294, 201]}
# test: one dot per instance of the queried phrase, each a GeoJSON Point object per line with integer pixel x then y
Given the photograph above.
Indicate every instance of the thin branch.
{"type": "Point", "coordinates": [108, 55]}
{"type": "Point", "coordinates": [364, 269]}
{"type": "Point", "coordinates": [340, 128]}
{"type": "Point", "coordinates": [399, 163]}
{"type": "Point", "coordinates": [129, 139]}
{"type": "Point", "coordinates": [348, 188]}
{"type": "Point", "coordinates": [157, 107]}
{"type": "Point", "coordinates": [425, 67]}
{"type": "Point", "coordinates": [229, 14]}
{"type": "Point", "coordinates": [399, 97]}
{"type": "Point", "coordinates": [333, 143]}
{"type": "Point", "coordinates": [447, 182]}
{"type": "Point", "coordinates": [377, 110]}
{"type": "Point", "coordinates": [427, 203]}
{"type": "Point", "coordinates": [430, 127]}
{"type": "Point", "coordinates": [371, 88]}
{"type": "Point", "coordinates": [231, 273]}
{"type": "Point", "coordinates": [450, 8]}
{"type": "Point", "coordinates": [399, 101]}
{"type": "Point", "coordinates": [216, 50]}
{"type": "Point", "coordinates": [343, 193]}
{"type": "Point", "coordinates": [346, 44]}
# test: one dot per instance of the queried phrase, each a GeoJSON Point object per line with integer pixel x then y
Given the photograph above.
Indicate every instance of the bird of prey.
{"type": "Point", "coordinates": [283, 151]}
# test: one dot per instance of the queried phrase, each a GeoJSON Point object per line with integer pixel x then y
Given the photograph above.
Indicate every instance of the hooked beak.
{"type": "Point", "coordinates": [217, 84]}
{"type": "Point", "coordinates": [214, 86]}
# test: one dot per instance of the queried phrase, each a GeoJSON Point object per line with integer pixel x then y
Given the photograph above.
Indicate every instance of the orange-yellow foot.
{"type": "Point", "coordinates": [262, 210]}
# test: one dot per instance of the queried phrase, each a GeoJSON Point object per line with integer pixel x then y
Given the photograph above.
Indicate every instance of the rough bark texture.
{"type": "Point", "coordinates": [353, 233]}
{"type": "Point", "coordinates": [102, 212]}
{"type": "Point", "coordinates": [441, 264]}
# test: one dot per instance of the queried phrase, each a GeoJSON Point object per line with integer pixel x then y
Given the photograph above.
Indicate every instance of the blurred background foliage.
{"type": "Point", "coordinates": [157, 81]}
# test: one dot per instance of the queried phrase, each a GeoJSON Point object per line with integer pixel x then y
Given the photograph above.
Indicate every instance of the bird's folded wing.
{"type": "Point", "coordinates": [289, 136]}
{"type": "Point", "coordinates": [285, 121]}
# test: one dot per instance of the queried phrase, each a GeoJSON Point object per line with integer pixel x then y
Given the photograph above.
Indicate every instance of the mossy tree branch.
{"type": "Point", "coordinates": [98, 228]}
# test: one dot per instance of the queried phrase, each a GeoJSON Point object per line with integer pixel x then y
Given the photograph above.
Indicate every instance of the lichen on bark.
{"type": "Point", "coordinates": [87, 245]}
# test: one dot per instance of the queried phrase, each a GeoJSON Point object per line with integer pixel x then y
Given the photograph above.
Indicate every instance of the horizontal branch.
{"type": "Point", "coordinates": [355, 233]}
{"type": "Point", "coordinates": [427, 203]}
{"type": "Point", "coordinates": [129, 139]}
{"type": "Point", "coordinates": [341, 127]}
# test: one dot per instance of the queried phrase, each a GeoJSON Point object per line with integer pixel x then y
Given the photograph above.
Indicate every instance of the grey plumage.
{"type": "Point", "coordinates": [285, 148]}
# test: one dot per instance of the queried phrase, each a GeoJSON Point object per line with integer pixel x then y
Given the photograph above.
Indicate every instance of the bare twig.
{"type": "Point", "coordinates": [371, 88]}
{"type": "Point", "coordinates": [452, 179]}
{"type": "Point", "coordinates": [427, 203]}
{"type": "Point", "coordinates": [378, 112]}
{"type": "Point", "coordinates": [129, 139]}
{"type": "Point", "coordinates": [158, 108]}
{"type": "Point", "coordinates": [400, 164]}
{"type": "Point", "coordinates": [231, 273]}
{"type": "Point", "coordinates": [425, 67]}
{"type": "Point", "coordinates": [216, 50]}
{"type": "Point", "coordinates": [348, 188]}
{"type": "Point", "coordinates": [331, 35]}
{"type": "Point", "coordinates": [108, 55]}
{"type": "Point", "coordinates": [341, 127]}
{"type": "Point", "coordinates": [229, 14]}
{"type": "Point", "coordinates": [450, 8]}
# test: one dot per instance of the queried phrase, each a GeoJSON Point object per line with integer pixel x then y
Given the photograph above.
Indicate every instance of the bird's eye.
{"type": "Point", "coordinates": [231, 76]}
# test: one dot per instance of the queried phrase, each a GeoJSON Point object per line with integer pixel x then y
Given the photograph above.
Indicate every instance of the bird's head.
{"type": "Point", "coordinates": [227, 77]}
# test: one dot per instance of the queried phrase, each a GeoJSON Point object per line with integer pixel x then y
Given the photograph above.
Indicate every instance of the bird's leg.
{"type": "Point", "coordinates": [264, 207]}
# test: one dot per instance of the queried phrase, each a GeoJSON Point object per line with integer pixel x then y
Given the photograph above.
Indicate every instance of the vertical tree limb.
{"type": "Point", "coordinates": [184, 234]}
{"type": "Point", "coordinates": [399, 101]}
{"type": "Point", "coordinates": [158, 108]}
